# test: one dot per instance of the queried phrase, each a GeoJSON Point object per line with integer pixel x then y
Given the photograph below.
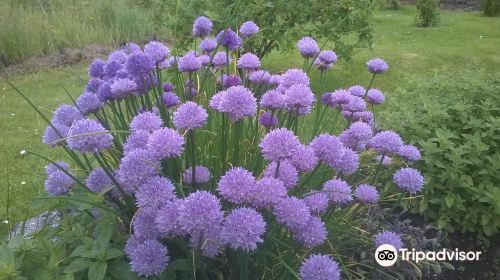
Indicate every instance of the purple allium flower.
{"type": "Point", "coordinates": [170, 99]}
{"type": "Point", "coordinates": [147, 121]}
{"type": "Point", "coordinates": [216, 101]}
{"type": "Point", "coordinates": [409, 152]}
{"type": "Point", "coordinates": [66, 115]}
{"type": "Point", "coordinates": [279, 144]}
{"type": "Point", "coordinates": [340, 97]}
{"type": "Point", "coordinates": [355, 104]}
{"type": "Point", "coordinates": [326, 98]}
{"type": "Point", "coordinates": [318, 267]}
{"type": "Point", "coordinates": [328, 56]}
{"type": "Point", "coordinates": [189, 63]}
{"type": "Point", "coordinates": [321, 65]}
{"type": "Point", "coordinates": [111, 68]}
{"type": "Point", "coordinates": [207, 45]}
{"type": "Point", "coordinates": [388, 237]}
{"type": "Point", "coordinates": [236, 185]}
{"type": "Point", "coordinates": [292, 212]}
{"type": "Point", "coordinates": [144, 225]}
{"type": "Point", "coordinates": [221, 59]}
{"type": "Point", "coordinates": [190, 116]}
{"type": "Point", "coordinates": [338, 191]}
{"type": "Point", "coordinates": [136, 168]}
{"type": "Point", "coordinates": [168, 87]}
{"type": "Point", "coordinates": [304, 158]}
{"type": "Point", "coordinates": [275, 79]}
{"type": "Point", "coordinates": [139, 64]}
{"type": "Point", "coordinates": [268, 120]}
{"type": "Point", "coordinates": [202, 175]}
{"type": "Point", "coordinates": [375, 96]}
{"type": "Point", "coordinates": [377, 66]}
{"type": "Point", "coordinates": [409, 179]}
{"type": "Point", "coordinates": [249, 61]}
{"type": "Point", "coordinates": [317, 202]}
{"type": "Point", "coordinates": [136, 140]}
{"type": "Point", "coordinates": [259, 77]}
{"type": "Point", "coordinates": [367, 194]}
{"type": "Point", "coordinates": [204, 59]}
{"type": "Point", "coordinates": [385, 161]}
{"type": "Point", "coordinates": [357, 90]}
{"type": "Point", "coordinates": [356, 135]}
{"type": "Point", "coordinates": [104, 92]}
{"type": "Point", "coordinates": [88, 103]}
{"type": "Point", "coordinates": [243, 228]}
{"type": "Point", "coordinates": [249, 28]}
{"type": "Point", "coordinates": [308, 47]}
{"type": "Point", "coordinates": [93, 85]}
{"type": "Point", "coordinates": [201, 213]}
{"type": "Point", "coordinates": [150, 258]}
{"type": "Point", "coordinates": [229, 39]}
{"type": "Point", "coordinates": [202, 26]}
{"type": "Point", "coordinates": [365, 116]}
{"type": "Point", "coordinates": [118, 56]}
{"type": "Point", "coordinates": [267, 192]}
{"type": "Point", "coordinates": [130, 48]}
{"type": "Point", "coordinates": [299, 99]}
{"type": "Point", "coordinates": [349, 163]}
{"type": "Point", "coordinates": [238, 103]}
{"type": "Point", "coordinates": [294, 76]}
{"type": "Point", "coordinates": [155, 192]}
{"type": "Point", "coordinates": [157, 51]}
{"type": "Point", "coordinates": [88, 136]}
{"type": "Point", "coordinates": [287, 173]}
{"type": "Point", "coordinates": [165, 143]}
{"type": "Point", "coordinates": [231, 80]}
{"type": "Point", "coordinates": [131, 245]}
{"type": "Point", "coordinates": [328, 148]}
{"type": "Point", "coordinates": [209, 243]}
{"type": "Point", "coordinates": [58, 183]}
{"type": "Point", "coordinates": [167, 218]}
{"type": "Point", "coordinates": [121, 88]}
{"type": "Point", "coordinates": [272, 100]}
{"type": "Point", "coordinates": [54, 137]}
{"type": "Point", "coordinates": [312, 234]}
{"type": "Point", "coordinates": [96, 68]}
{"type": "Point", "coordinates": [387, 142]}
{"type": "Point", "coordinates": [98, 180]}
{"type": "Point", "coordinates": [51, 168]}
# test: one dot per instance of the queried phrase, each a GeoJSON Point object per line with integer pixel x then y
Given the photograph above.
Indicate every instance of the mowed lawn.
{"type": "Point", "coordinates": [462, 41]}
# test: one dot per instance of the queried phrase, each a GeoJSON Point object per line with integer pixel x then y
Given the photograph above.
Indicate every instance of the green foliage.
{"type": "Point", "coordinates": [428, 14]}
{"type": "Point", "coordinates": [458, 129]}
{"type": "Point", "coordinates": [391, 4]}
{"type": "Point", "coordinates": [491, 8]}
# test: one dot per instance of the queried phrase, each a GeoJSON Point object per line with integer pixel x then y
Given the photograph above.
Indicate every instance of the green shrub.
{"type": "Point", "coordinates": [427, 13]}
{"type": "Point", "coordinates": [458, 127]}
{"type": "Point", "coordinates": [390, 4]}
{"type": "Point", "coordinates": [491, 8]}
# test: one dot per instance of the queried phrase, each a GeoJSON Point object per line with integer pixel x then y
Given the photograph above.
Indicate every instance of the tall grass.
{"type": "Point", "coordinates": [32, 27]}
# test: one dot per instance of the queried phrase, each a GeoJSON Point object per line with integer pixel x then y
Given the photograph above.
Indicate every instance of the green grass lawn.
{"type": "Point", "coordinates": [462, 41]}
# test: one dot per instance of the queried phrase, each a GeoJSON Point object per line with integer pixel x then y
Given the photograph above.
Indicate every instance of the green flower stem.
{"type": "Point", "coordinates": [369, 85]}
{"type": "Point", "coordinates": [238, 126]}
{"type": "Point", "coordinates": [377, 171]}
{"type": "Point", "coordinates": [306, 180]}
{"type": "Point", "coordinates": [191, 139]}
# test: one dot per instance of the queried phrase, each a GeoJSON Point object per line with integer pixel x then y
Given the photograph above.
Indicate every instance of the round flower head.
{"type": "Point", "coordinates": [328, 56]}
{"type": "Point", "coordinates": [130, 48]}
{"type": "Point", "coordinates": [377, 66]}
{"type": "Point", "coordinates": [292, 212]}
{"type": "Point", "coordinates": [118, 56]}
{"type": "Point", "coordinates": [157, 51]}
{"type": "Point", "coordinates": [367, 194]}
{"type": "Point", "coordinates": [318, 267]}
{"type": "Point", "coordinates": [136, 168]}
{"type": "Point", "coordinates": [294, 76]}
{"type": "Point", "coordinates": [229, 39]}
{"type": "Point", "coordinates": [58, 183]}
{"type": "Point", "coordinates": [355, 104]}
{"type": "Point", "coordinates": [375, 96]}
{"type": "Point", "coordinates": [409, 179]}
{"type": "Point", "coordinates": [238, 103]}
{"type": "Point", "coordinates": [387, 142]}
{"type": "Point", "coordinates": [317, 202]}
{"type": "Point", "coordinates": [89, 136]}
{"type": "Point", "coordinates": [189, 63]}
{"type": "Point", "coordinates": [168, 87]}
{"type": "Point", "coordinates": [147, 121]}
{"type": "Point", "coordinates": [268, 120]}
{"type": "Point", "coordinates": [96, 68]}
{"type": "Point", "coordinates": [155, 192]}
{"type": "Point", "coordinates": [243, 228]}
{"type": "Point", "coordinates": [272, 100]}
{"type": "Point", "coordinates": [98, 180]}
{"type": "Point", "coordinates": [111, 68]}
{"type": "Point", "coordinates": [207, 45]}
{"type": "Point", "coordinates": [249, 28]}
{"type": "Point", "coordinates": [201, 213]}
{"type": "Point", "coordinates": [93, 85]}
{"type": "Point", "coordinates": [259, 77]}
{"type": "Point", "coordinates": [231, 80]}
{"type": "Point", "coordinates": [202, 175]}
{"type": "Point", "coordinates": [165, 143]}
{"type": "Point", "coordinates": [88, 103]}
{"type": "Point", "coordinates": [150, 258]}
{"type": "Point", "coordinates": [349, 163]}
{"type": "Point", "coordinates": [357, 90]}
{"type": "Point", "coordinates": [338, 191]}
{"type": "Point", "coordinates": [304, 158]}
{"type": "Point", "coordinates": [236, 185]}
{"type": "Point", "coordinates": [275, 79]}
{"type": "Point", "coordinates": [122, 88]}
{"type": "Point", "coordinates": [321, 65]}
{"type": "Point", "coordinates": [328, 148]}
{"type": "Point", "coordinates": [170, 99]}
{"type": "Point", "coordinates": [308, 47]}
{"type": "Point", "coordinates": [299, 99]}
{"type": "Point", "coordinates": [287, 173]}
{"type": "Point", "coordinates": [131, 245]}
{"type": "Point", "coordinates": [267, 192]}
{"type": "Point", "coordinates": [190, 116]}
{"type": "Point", "coordinates": [167, 218]}
{"type": "Point", "coordinates": [202, 27]}
{"type": "Point", "coordinates": [57, 136]}
{"type": "Point", "coordinates": [409, 152]}
{"type": "Point", "coordinates": [221, 59]}
{"type": "Point", "coordinates": [358, 133]}
{"type": "Point", "coordinates": [365, 116]}
{"type": "Point", "coordinates": [388, 237]}
{"type": "Point", "coordinates": [204, 59]}
{"type": "Point", "coordinates": [312, 234]}
{"type": "Point", "coordinates": [66, 115]}
{"type": "Point", "coordinates": [144, 225]}
{"type": "Point", "coordinates": [279, 144]}
{"type": "Point", "coordinates": [249, 61]}
{"type": "Point", "coordinates": [139, 64]}
{"type": "Point", "coordinates": [216, 101]}
{"type": "Point", "coordinates": [51, 168]}
{"type": "Point", "coordinates": [209, 243]}
{"type": "Point", "coordinates": [104, 92]}
{"type": "Point", "coordinates": [340, 97]}
{"type": "Point", "coordinates": [136, 140]}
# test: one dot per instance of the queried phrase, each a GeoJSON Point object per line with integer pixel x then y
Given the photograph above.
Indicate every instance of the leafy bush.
{"type": "Point", "coordinates": [457, 127]}
{"type": "Point", "coordinates": [491, 8]}
{"type": "Point", "coordinates": [428, 14]}
{"type": "Point", "coordinates": [391, 4]}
